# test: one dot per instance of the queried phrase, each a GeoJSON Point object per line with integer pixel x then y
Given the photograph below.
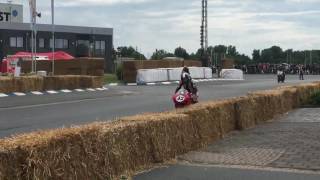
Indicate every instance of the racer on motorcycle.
{"type": "Point", "coordinates": [187, 83]}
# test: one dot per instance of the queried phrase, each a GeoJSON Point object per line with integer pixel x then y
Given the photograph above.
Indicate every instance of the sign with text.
{"type": "Point", "coordinates": [11, 13]}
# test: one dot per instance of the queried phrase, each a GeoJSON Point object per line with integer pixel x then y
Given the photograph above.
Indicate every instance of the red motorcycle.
{"type": "Point", "coordinates": [183, 98]}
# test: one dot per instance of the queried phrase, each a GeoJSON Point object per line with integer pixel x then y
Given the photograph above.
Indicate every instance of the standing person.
{"type": "Point", "coordinates": [301, 73]}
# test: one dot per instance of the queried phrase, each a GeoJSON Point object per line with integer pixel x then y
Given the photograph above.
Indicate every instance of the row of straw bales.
{"type": "Point", "coordinates": [36, 83]}
{"type": "Point", "coordinates": [108, 150]}
{"type": "Point", "coordinates": [80, 66]}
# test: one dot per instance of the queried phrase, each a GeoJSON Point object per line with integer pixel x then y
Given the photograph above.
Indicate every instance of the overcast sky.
{"type": "Point", "coordinates": [166, 24]}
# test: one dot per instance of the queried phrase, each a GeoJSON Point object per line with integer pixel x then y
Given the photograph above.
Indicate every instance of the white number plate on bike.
{"type": "Point", "coordinates": [180, 98]}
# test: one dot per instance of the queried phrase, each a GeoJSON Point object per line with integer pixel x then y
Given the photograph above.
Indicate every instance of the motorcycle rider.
{"type": "Point", "coordinates": [187, 83]}
{"type": "Point", "coordinates": [281, 74]}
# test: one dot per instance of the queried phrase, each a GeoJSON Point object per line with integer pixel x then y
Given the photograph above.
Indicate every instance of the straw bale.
{"type": "Point", "coordinates": [101, 150]}
{"type": "Point", "coordinates": [214, 119]}
{"type": "Point", "coordinates": [190, 63]}
{"type": "Point", "coordinates": [305, 91]}
{"type": "Point", "coordinates": [72, 82]}
{"type": "Point", "coordinates": [150, 64]}
{"type": "Point", "coordinates": [245, 110]}
{"type": "Point", "coordinates": [175, 64]}
{"type": "Point", "coordinates": [21, 84]}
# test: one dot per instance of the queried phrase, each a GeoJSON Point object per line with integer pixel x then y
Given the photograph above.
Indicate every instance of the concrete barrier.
{"type": "Point", "coordinates": [37, 83]}
{"type": "Point", "coordinates": [107, 150]}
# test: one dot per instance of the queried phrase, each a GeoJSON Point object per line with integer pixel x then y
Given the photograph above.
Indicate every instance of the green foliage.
{"type": "Point", "coordinates": [130, 52]}
{"type": "Point", "coordinates": [315, 99]}
{"type": "Point", "coordinates": [256, 55]}
{"type": "Point", "coordinates": [275, 55]}
{"type": "Point", "coordinates": [119, 72]}
{"type": "Point", "coordinates": [160, 54]}
{"type": "Point", "coordinates": [110, 78]}
{"type": "Point", "coordinates": [181, 52]}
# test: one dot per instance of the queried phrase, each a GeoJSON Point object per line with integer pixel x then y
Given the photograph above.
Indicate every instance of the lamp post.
{"type": "Point", "coordinates": [53, 38]}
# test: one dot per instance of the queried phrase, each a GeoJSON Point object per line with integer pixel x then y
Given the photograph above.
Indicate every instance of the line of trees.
{"type": "Point", "coordinates": [276, 55]}
{"type": "Point", "coordinates": [272, 55]}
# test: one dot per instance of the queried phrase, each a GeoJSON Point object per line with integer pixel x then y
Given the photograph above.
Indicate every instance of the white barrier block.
{"type": "Point", "coordinates": [152, 75]}
{"type": "Point", "coordinates": [234, 74]}
{"type": "Point", "coordinates": [208, 73]}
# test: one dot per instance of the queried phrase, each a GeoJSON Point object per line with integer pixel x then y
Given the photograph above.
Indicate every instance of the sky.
{"type": "Point", "coordinates": [167, 24]}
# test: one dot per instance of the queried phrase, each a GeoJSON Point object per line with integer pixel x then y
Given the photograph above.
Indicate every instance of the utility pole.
{"type": "Point", "coordinates": [53, 38]}
{"type": "Point", "coordinates": [204, 34]}
{"type": "Point", "coordinates": [10, 3]}
{"type": "Point", "coordinates": [34, 14]}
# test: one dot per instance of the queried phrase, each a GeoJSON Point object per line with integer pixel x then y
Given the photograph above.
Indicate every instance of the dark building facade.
{"type": "Point", "coordinates": [75, 40]}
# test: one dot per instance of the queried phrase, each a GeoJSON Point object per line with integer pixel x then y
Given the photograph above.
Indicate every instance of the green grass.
{"type": "Point", "coordinates": [110, 78]}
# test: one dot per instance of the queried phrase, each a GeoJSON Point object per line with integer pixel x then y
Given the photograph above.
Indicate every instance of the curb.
{"type": "Point", "coordinates": [168, 82]}
{"type": "Point", "coordinates": [51, 92]}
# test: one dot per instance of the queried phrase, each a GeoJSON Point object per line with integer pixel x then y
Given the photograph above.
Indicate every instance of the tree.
{"type": "Point", "coordinates": [197, 55]}
{"type": "Point", "coordinates": [256, 55]}
{"type": "Point", "coordinates": [160, 54]}
{"type": "Point", "coordinates": [182, 53]}
{"type": "Point", "coordinates": [232, 51]}
{"type": "Point", "coordinates": [130, 52]}
{"type": "Point", "coordinates": [242, 59]}
{"type": "Point", "coordinates": [221, 49]}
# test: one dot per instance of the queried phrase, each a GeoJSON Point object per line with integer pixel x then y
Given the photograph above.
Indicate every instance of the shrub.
{"type": "Point", "coordinates": [119, 72]}
{"type": "Point", "coordinates": [315, 98]}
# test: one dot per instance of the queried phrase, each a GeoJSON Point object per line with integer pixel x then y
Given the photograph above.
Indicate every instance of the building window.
{"type": "Point", "coordinates": [16, 42]}
{"type": "Point", "coordinates": [41, 43]}
{"type": "Point", "coordinates": [83, 42]}
{"type": "Point", "coordinates": [100, 47]}
{"type": "Point", "coordinates": [60, 43]}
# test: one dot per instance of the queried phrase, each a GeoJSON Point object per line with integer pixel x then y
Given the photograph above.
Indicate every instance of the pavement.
{"type": "Point", "coordinates": [21, 114]}
{"type": "Point", "coordinates": [287, 148]}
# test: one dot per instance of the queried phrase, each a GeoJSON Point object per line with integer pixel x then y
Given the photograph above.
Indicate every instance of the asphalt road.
{"type": "Point", "coordinates": [207, 172]}
{"type": "Point", "coordinates": [29, 113]}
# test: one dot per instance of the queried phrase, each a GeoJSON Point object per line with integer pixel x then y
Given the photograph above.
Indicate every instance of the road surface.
{"type": "Point", "coordinates": [31, 112]}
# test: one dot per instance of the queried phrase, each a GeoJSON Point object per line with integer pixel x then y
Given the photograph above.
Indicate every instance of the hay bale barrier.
{"type": "Point", "coordinates": [36, 83]}
{"type": "Point", "coordinates": [129, 144]}
{"type": "Point", "coordinates": [20, 84]}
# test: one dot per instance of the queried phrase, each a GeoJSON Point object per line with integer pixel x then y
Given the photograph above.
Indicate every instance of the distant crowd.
{"type": "Point", "coordinates": [313, 69]}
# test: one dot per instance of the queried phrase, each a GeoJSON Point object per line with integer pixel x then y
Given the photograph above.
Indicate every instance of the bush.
{"type": "Point", "coordinates": [119, 72]}
{"type": "Point", "coordinates": [315, 98]}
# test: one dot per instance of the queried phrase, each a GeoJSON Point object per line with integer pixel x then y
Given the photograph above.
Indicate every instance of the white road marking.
{"type": "Point", "coordinates": [36, 93]}
{"type": "Point", "coordinates": [132, 84]}
{"type": "Point", "coordinates": [113, 84]}
{"type": "Point", "coordinates": [151, 84]}
{"type": "Point", "coordinates": [166, 83]}
{"type": "Point", "coordinates": [52, 92]}
{"type": "Point", "coordinates": [90, 89]}
{"type": "Point", "coordinates": [79, 90]}
{"type": "Point", "coordinates": [19, 94]}
{"type": "Point", "coordinates": [66, 91]}
{"type": "Point", "coordinates": [3, 95]}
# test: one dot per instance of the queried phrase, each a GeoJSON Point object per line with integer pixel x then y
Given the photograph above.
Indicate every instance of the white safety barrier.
{"type": "Point", "coordinates": [235, 74]}
{"type": "Point", "coordinates": [152, 75]}
{"type": "Point", "coordinates": [174, 74]}
{"type": "Point", "coordinates": [171, 74]}
{"type": "Point", "coordinates": [208, 73]}
{"type": "Point", "coordinates": [196, 72]}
